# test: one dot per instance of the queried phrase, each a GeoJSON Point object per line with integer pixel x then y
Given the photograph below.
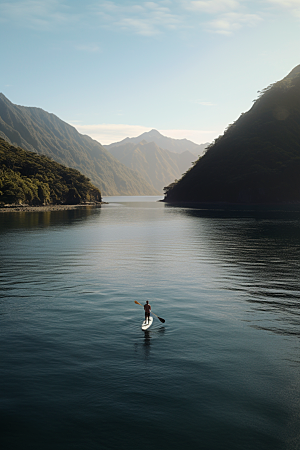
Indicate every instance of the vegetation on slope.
{"type": "Point", "coordinates": [157, 166]}
{"type": "Point", "coordinates": [257, 160]}
{"type": "Point", "coordinates": [39, 131]}
{"type": "Point", "coordinates": [28, 178]}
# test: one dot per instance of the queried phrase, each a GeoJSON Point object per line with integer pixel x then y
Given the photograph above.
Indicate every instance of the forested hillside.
{"type": "Point", "coordinates": [28, 178]}
{"type": "Point", "coordinates": [39, 131]}
{"type": "Point", "coordinates": [157, 166]}
{"type": "Point", "coordinates": [257, 160]}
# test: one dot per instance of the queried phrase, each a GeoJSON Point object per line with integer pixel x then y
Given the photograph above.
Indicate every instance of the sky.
{"type": "Point", "coordinates": [112, 69]}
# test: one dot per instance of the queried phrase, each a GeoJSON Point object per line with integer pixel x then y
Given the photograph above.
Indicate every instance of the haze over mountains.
{"type": "Point", "coordinates": [166, 143]}
{"type": "Point", "coordinates": [39, 131]}
{"type": "Point", "coordinates": [143, 165]}
{"type": "Point", "coordinates": [157, 166]}
{"type": "Point", "coordinates": [257, 160]}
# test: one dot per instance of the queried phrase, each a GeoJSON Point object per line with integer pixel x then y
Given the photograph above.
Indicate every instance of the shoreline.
{"type": "Point", "coordinates": [231, 207]}
{"type": "Point", "coordinates": [46, 208]}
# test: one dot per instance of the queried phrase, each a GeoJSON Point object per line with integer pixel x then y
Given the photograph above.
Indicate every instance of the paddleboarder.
{"type": "Point", "coordinates": [147, 309]}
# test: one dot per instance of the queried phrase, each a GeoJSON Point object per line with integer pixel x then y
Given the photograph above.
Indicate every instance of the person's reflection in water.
{"type": "Point", "coordinates": [148, 335]}
{"type": "Point", "coordinates": [147, 343]}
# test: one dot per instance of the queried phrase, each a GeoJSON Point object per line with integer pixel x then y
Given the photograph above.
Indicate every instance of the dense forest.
{"type": "Point", "coordinates": [28, 178]}
{"type": "Point", "coordinates": [257, 160]}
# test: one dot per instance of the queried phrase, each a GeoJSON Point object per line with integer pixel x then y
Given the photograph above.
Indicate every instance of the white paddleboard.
{"type": "Point", "coordinates": [146, 324]}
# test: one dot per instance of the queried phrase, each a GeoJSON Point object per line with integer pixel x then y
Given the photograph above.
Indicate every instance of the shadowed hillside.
{"type": "Point", "coordinates": [257, 160]}
{"type": "Point", "coordinates": [39, 131]}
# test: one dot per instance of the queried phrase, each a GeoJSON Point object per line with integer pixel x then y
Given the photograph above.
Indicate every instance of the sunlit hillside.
{"type": "Point", "coordinates": [28, 178]}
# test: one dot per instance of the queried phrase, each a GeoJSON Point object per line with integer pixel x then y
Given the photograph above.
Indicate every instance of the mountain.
{"type": "Point", "coordinates": [173, 145]}
{"type": "Point", "coordinates": [257, 160]}
{"type": "Point", "coordinates": [29, 178]}
{"type": "Point", "coordinates": [157, 166]}
{"type": "Point", "coordinates": [39, 131]}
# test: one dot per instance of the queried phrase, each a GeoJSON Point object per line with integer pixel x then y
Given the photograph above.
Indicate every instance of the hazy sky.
{"type": "Point", "coordinates": [118, 68]}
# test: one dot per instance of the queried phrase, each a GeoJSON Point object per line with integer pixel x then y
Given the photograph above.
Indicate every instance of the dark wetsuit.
{"type": "Point", "coordinates": [147, 309]}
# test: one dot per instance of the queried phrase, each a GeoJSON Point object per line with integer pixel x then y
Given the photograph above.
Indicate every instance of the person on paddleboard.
{"type": "Point", "coordinates": [147, 309]}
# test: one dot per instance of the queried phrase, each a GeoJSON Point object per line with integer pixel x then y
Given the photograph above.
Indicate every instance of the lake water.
{"type": "Point", "coordinates": [77, 371]}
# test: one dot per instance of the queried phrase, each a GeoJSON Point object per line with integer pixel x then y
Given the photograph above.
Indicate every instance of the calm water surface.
{"type": "Point", "coordinates": [77, 371]}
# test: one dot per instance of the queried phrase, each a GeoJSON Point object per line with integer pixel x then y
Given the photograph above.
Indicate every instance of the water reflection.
{"type": "Point", "coordinates": [147, 343]}
{"type": "Point", "coordinates": [259, 213]}
{"type": "Point", "coordinates": [148, 340]}
{"type": "Point", "coordinates": [43, 219]}
{"type": "Point", "coordinates": [260, 257]}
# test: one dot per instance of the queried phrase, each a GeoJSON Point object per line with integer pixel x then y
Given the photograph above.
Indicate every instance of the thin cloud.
{"type": "Point", "coordinates": [147, 19]}
{"type": "Point", "coordinates": [138, 26]}
{"type": "Point", "coordinates": [212, 6]}
{"type": "Point", "coordinates": [292, 6]}
{"type": "Point", "coordinates": [285, 3]}
{"type": "Point", "coordinates": [227, 16]}
{"type": "Point", "coordinates": [197, 136]}
{"type": "Point", "coordinates": [37, 14]}
{"type": "Point", "coordinates": [109, 133]}
{"type": "Point", "coordinates": [228, 23]}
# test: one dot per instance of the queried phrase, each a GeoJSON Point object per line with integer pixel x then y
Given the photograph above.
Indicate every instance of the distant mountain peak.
{"type": "Point", "coordinates": [150, 136]}
{"type": "Point", "coordinates": [153, 132]}
{"type": "Point", "coordinates": [157, 166]}
{"type": "Point", "coordinates": [164, 142]}
{"type": "Point", "coordinates": [41, 132]}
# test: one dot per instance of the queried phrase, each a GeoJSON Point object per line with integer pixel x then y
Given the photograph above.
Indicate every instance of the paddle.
{"type": "Point", "coordinates": [162, 320]}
